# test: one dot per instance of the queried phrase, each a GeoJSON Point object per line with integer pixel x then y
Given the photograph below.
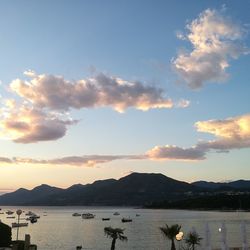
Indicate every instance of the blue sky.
{"type": "Point", "coordinates": [152, 89]}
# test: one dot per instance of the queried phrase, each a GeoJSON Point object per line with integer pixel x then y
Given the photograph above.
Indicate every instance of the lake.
{"type": "Point", "coordinates": [58, 229]}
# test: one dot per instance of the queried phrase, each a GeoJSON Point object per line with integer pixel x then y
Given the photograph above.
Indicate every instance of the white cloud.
{"type": "Point", "coordinates": [231, 133]}
{"type": "Point", "coordinates": [215, 41]}
{"type": "Point", "coordinates": [25, 124]}
{"type": "Point", "coordinates": [183, 103]}
{"type": "Point", "coordinates": [56, 93]}
{"type": "Point", "coordinates": [170, 152]}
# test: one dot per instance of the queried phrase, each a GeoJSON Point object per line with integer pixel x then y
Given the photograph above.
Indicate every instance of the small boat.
{"type": "Point", "coordinates": [137, 215]}
{"type": "Point", "coordinates": [88, 216]}
{"type": "Point", "coordinates": [11, 217]}
{"type": "Point", "coordinates": [76, 214]}
{"type": "Point", "coordinates": [19, 224]}
{"type": "Point", "coordinates": [33, 220]}
{"type": "Point", "coordinates": [116, 213]}
{"type": "Point", "coordinates": [9, 212]}
{"type": "Point", "coordinates": [105, 219]}
{"type": "Point", "coordinates": [126, 220]}
{"type": "Point", "coordinates": [29, 213]}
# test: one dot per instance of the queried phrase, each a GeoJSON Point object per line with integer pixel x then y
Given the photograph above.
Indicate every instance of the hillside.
{"type": "Point", "coordinates": [134, 189]}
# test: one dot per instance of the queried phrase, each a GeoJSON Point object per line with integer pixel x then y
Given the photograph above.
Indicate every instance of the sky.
{"type": "Point", "coordinates": [93, 90]}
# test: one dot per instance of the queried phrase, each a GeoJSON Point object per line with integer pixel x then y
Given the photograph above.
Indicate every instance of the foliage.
{"type": "Point", "coordinates": [114, 234]}
{"type": "Point", "coordinates": [170, 233]}
{"type": "Point", "coordinates": [5, 233]}
{"type": "Point", "coordinates": [193, 239]}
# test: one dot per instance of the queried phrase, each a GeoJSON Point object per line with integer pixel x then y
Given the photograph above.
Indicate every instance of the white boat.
{"type": "Point", "coordinates": [19, 224]}
{"type": "Point", "coordinates": [29, 213]}
{"type": "Point", "coordinates": [32, 215]}
{"type": "Point", "coordinates": [116, 213]}
{"type": "Point", "coordinates": [88, 216]}
{"type": "Point", "coordinates": [76, 214]}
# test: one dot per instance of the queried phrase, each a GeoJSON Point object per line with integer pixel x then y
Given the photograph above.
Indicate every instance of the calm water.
{"type": "Point", "coordinates": [60, 230]}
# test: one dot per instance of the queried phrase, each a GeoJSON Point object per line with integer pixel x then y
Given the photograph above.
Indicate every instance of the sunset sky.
{"type": "Point", "coordinates": [99, 89]}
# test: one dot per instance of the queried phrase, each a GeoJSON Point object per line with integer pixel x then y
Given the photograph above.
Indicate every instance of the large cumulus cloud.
{"type": "Point", "coordinates": [215, 40]}
{"type": "Point", "coordinates": [57, 93]}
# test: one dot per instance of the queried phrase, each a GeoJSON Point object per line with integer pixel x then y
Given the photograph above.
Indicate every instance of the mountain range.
{"type": "Point", "coordinates": [136, 189]}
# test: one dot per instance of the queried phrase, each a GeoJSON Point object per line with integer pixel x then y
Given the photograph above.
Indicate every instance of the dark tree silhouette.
{"type": "Point", "coordinates": [170, 233]}
{"type": "Point", "coordinates": [193, 239]}
{"type": "Point", "coordinates": [5, 235]}
{"type": "Point", "coordinates": [114, 234]}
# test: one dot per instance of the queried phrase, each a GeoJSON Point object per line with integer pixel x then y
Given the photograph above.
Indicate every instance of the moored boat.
{"type": "Point", "coordinates": [19, 224]}
{"type": "Point", "coordinates": [76, 214]}
{"type": "Point", "coordinates": [88, 216]}
{"type": "Point", "coordinates": [105, 219]}
{"type": "Point", "coordinates": [126, 220]}
{"type": "Point", "coordinates": [33, 220]}
{"type": "Point", "coordinates": [9, 212]}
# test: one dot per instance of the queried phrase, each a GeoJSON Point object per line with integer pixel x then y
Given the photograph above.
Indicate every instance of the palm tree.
{"type": "Point", "coordinates": [170, 233]}
{"type": "Point", "coordinates": [114, 234]}
{"type": "Point", "coordinates": [193, 239]}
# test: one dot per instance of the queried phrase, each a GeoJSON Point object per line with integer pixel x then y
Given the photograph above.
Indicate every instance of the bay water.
{"type": "Point", "coordinates": [57, 229]}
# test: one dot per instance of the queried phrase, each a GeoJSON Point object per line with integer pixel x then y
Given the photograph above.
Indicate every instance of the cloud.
{"type": "Point", "coordinates": [170, 152]}
{"type": "Point", "coordinates": [231, 133]}
{"type": "Point", "coordinates": [25, 124]}
{"type": "Point", "coordinates": [183, 103]}
{"type": "Point", "coordinates": [56, 93]}
{"type": "Point", "coordinates": [88, 160]}
{"type": "Point", "coordinates": [5, 160]}
{"type": "Point", "coordinates": [214, 39]}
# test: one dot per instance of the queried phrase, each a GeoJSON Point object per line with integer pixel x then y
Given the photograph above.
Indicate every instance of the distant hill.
{"type": "Point", "coordinates": [240, 185]}
{"type": "Point", "coordinates": [21, 196]}
{"type": "Point", "coordinates": [135, 189]}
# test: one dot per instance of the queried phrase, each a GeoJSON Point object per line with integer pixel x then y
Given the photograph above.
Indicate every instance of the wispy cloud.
{"type": "Point", "coordinates": [87, 160]}
{"type": "Point", "coordinates": [215, 40]}
{"type": "Point", "coordinates": [170, 152]}
{"type": "Point", "coordinates": [5, 160]}
{"type": "Point", "coordinates": [56, 93]}
{"type": "Point", "coordinates": [25, 124]}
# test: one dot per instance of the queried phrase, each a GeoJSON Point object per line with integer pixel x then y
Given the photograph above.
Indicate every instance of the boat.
{"type": "Point", "coordinates": [76, 214]}
{"type": "Point", "coordinates": [88, 216]}
{"type": "Point", "coordinates": [137, 215]}
{"type": "Point", "coordinates": [29, 213]}
{"type": "Point", "coordinates": [116, 213]}
{"type": "Point", "coordinates": [19, 224]}
{"type": "Point", "coordinates": [33, 220]}
{"type": "Point", "coordinates": [32, 215]}
{"type": "Point", "coordinates": [10, 217]}
{"type": "Point", "coordinates": [9, 212]}
{"type": "Point", "coordinates": [105, 219]}
{"type": "Point", "coordinates": [126, 220]}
